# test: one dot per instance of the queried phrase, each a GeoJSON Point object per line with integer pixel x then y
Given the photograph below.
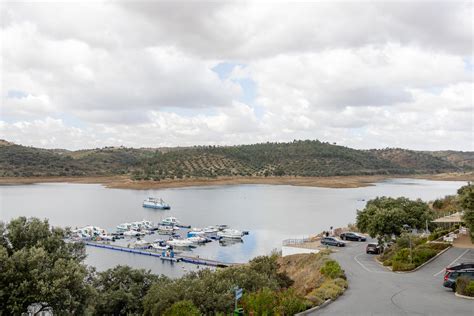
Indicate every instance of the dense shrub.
{"type": "Point", "coordinates": [328, 290]}
{"type": "Point", "coordinates": [402, 266]}
{"type": "Point", "coordinates": [262, 302]}
{"type": "Point", "coordinates": [469, 290]}
{"type": "Point", "coordinates": [332, 269]}
{"type": "Point", "coordinates": [461, 284]}
{"type": "Point", "coordinates": [260, 273]}
{"type": "Point", "coordinates": [182, 308]}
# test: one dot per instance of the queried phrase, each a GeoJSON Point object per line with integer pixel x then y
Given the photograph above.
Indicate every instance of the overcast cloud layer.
{"type": "Point", "coordinates": [365, 75]}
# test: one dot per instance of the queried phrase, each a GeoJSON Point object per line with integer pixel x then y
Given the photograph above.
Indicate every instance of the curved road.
{"type": "Point", "coordinates": [374, 290]}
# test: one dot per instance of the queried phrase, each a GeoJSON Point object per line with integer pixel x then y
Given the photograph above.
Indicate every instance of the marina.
{"type": "Point", "coordinates": [270, 213]}
{"type": "Point", "coordinates": [177, 258]}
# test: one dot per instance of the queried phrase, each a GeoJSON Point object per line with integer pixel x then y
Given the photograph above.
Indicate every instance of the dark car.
{"type": "Point", "coordinates": [374, 248]}
{"type": "Point", "coordinates": [332, 241]}
{"type": "Point", "coordinates": [451, 276]}
{"type": "Point", "coordinates": [454, 272]}
{"type": "Point", "coordinates": [352, 236]}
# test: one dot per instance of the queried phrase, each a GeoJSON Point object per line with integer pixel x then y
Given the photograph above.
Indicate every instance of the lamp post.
{"type": "Point", "coordinates": [407, 229]}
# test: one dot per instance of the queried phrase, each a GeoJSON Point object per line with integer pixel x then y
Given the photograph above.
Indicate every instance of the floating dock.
{"type": "Point", "coordinates": [187, 259]}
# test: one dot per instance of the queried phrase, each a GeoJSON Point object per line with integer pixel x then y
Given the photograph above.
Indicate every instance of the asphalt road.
{"type": "Point", "coordinates": [374, 290]}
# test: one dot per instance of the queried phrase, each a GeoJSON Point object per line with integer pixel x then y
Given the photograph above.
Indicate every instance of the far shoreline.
{"type": "Point", "coordinates": [337, 182]}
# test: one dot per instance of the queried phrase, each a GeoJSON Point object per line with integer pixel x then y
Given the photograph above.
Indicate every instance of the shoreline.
{"type": "Point", "coordinates": [123, 182]}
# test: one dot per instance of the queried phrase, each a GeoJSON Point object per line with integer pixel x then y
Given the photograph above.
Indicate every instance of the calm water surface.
{"type": "Point", "coordinates": [270, 213]}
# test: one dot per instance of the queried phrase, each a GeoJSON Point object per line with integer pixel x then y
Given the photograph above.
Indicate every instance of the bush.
{"type": "Point", "coordinates": [262, 302]}
{"type": "Point", "coordinates": [402, 266]}
{"type": "Point", "coordinates": [423, 254]}
{"type": "Point", "coordinates": [328, 290]}
{"type": "Point", "coordinates": [332, 269]}
{"type": "Point", "coordinates": [469, 290]}
{"type": "Point", "coordinates": [182, 308]}
{"type": "Point", "coordinates": [461, 284]}
{"type": "Point", "coordinates": [291, 303]}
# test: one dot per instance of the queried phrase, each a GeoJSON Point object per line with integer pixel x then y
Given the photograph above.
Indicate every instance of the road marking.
{"type": "Point", "coordinates": [436, 274]}
{"type": "Point", "coordinates": [360, 263]}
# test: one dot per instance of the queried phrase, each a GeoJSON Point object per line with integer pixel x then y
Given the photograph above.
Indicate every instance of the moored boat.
{"type": "Point", "coordinates": [156, 203]}
{"type": "Point", "coordinates": [230, 233]}
{"type": "Point", "coordinates": [179, 243]}
{"type": "Point", "coordinates": [170, 221]}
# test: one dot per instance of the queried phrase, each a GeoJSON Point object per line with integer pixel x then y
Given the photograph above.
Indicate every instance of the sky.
{"type": "Point", "coordinates": [363, 74]}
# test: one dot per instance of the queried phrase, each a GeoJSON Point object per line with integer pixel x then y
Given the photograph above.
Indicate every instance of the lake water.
{"type": "Point", "coordinates": [270, 213]}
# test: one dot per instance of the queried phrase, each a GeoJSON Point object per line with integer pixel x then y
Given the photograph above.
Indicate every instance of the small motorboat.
{"type": "Point", "coordinates": [210, 229]}
{"type": "Point", "coordinates": [179, 243]}
{"type": "Point", "coordinates": [141, 244]}
{"type": "Point", "coordinates": [167, 230]}
{"type": "Point", "coordinates": [156, 203]}
{"type": "Point", "coordinates": [170, 221]}
{"type": "Point", "coordinates": [123, 227]}
{"type": "Point", "coordinates": [230, 233]}
{"type": "Point", "coordinates": [133, 233]}
{"type": "Point", "coordinates": [198, 239]}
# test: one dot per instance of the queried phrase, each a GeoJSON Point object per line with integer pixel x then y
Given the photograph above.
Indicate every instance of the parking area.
{"type": "Point", "coordinates": [375, 290]}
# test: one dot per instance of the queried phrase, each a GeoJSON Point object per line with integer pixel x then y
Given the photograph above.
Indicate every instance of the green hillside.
{"type": "Point", "coordinates": [298, 158]}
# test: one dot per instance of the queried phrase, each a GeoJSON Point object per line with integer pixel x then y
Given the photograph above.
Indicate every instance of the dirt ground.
{"type": "Point", "coordinates": [123, 182]}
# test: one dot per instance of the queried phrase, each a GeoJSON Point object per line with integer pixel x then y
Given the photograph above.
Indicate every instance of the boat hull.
{"type": "Point", "coordinates": [157, 206]}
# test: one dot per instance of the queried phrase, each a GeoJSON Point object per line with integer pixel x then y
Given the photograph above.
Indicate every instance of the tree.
{"type": "Point", "coordinates": [182, 308]}
{"type": "Point", "coordinates": [384, 216]}
{"type": "Point", "coordinates": [466, 200]}
{"type": "Point", "coordinates": [119, 291]}
{"type": "Point", "coordinates": [38, 267]}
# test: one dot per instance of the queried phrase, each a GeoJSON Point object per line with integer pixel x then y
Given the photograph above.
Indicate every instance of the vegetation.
{"type": "Point", "coordinates": [298, 158]}
{"type": "Point", "coordinates": [465, 286]}
{"type": "Point", "coordinates": [385, 217]}
{"type": "Point", "coordinates": [466, 201]}
{"type": "Point", "coordinates": [38, 268]}
{"type": "Point", "coordinates": [402, 258]}
{"type": "Point", "coordinates": [118, 291]}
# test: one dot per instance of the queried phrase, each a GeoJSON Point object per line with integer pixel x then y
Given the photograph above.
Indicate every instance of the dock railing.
{"type": "Point", "coordinates": [296, 241]}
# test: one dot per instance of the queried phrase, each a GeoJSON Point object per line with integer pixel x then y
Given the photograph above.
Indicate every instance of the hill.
{"type": "Point", "coordinates": [298, 158]}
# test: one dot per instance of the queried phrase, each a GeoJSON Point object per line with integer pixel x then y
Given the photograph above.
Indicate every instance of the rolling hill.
{"type": "Point", "coordinates": [297, 158]}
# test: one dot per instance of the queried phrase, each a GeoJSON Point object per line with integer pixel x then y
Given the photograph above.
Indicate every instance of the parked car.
{"type": "Point", "coordinates": [332, 241]}
{"type": "Point", "coordinates": [453, 273]}
{"type": "Point", "coordinates": [374, 248]}
{"type": "Point", "coordinates": [352, 236]}
{"type": "Point", "coordinates": [460, 266]}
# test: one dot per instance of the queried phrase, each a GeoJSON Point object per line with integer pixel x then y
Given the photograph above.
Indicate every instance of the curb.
{"type": "Point", "coordinates": [420, 266]}
{"type": "Point", "coordinates": [464, 296]}
{"type": "Point", "coordinates": [389, 268]}
{"type": "Point", "coordinates": [313, 309]}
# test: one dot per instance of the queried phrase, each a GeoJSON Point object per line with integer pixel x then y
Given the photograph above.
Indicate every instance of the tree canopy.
{"type": "Point", "coordinates": [385, 216]}
{"type": "Point", "coordinates": [38, 267]}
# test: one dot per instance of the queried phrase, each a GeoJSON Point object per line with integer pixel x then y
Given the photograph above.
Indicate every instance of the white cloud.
{"type": "Point", "coordinates": [363, 74]}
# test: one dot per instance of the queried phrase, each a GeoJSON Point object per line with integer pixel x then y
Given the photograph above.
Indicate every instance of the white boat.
{"type": "Point", "coordinates": [123, 227]}
{"type": "Point", "coordinates": [156, 203]}
{"type": "Point", "coordinates": [132, 233]}
{"type": "Point", "coordinates": [170, 221]}
{"type": "Point", "coordinates": [197, 239]}
{"type": "Point", "coordinates": [230, 233]}
{"type": "Point", "coordinates": [90, 231]}
{"type": "Point", "coordinates": [179, 243]}
{"type": "Point", "coordinates": [141, 244]}
{"type": "Point", "coordinates": [164, 229]}
{"type": "Point", "coordinates": [159, 246]}
{"type": "Point", "coordinates": [105, 237]}
{"type": "Point", "coordinates": [210, 229]}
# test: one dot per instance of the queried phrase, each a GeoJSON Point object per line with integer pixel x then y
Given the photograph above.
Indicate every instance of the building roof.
{"type": "Point", "coordinates": [453, 218]}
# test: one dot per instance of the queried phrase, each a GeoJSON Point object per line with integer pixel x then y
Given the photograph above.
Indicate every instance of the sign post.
{"type": "Point", "coordinates": [238, 295]}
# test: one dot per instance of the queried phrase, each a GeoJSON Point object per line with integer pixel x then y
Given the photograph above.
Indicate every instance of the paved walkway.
{"type": "Point", "coordinates": [374, 290]}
